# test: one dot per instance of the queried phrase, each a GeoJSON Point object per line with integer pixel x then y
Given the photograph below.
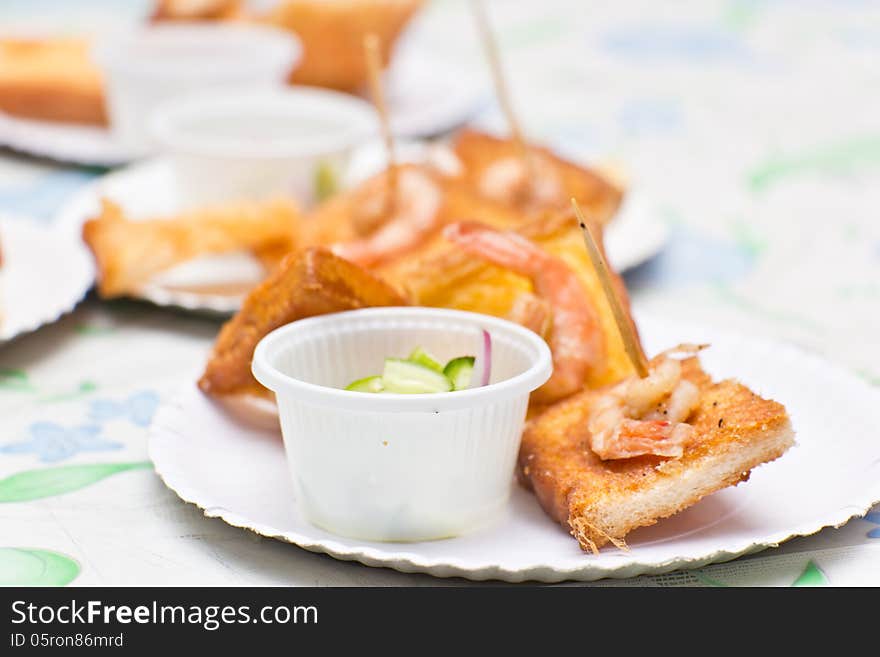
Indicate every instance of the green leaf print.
{"type": "Point", "coordinates": [46, 482]}
{"type": "Point", "coordinates": [84, 388]}
{"type": "Point", "coordinates": [811, 576]}
{"type": "Point", "coordinates": [14, 379]}
{"type": "Point", "coordinates": [30, 567]}
{"type": "Point", "coordinates": [832, 159]}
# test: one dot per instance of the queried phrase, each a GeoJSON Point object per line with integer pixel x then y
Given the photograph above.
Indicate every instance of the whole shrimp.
{"type": "Point", "coordinates": [645, 416]}
{"type": "Point", "coordinates": [528, 185]}
{"type": "Point", "coordinates": [402, 224]}
{"type": "Point", "coordinates": [576, 340]}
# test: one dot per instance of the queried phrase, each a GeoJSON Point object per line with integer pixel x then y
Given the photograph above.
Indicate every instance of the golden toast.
{"type": "Point", "coordinates": [602, 501]}
{"type": "Point", "coordinates": [307, 283]}
{"type": "Point", "coordinates": [50, 80]}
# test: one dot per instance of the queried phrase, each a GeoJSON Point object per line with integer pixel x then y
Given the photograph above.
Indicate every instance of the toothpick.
{"type": "Point", "coordinates": [627, 332]}
{"type": "Point", "coordinates": [374, 70]}
{"type": "Point", "coordinates": [501, 90]}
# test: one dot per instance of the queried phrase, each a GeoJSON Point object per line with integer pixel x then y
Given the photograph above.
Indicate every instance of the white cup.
{"type": "Point", "coordinates": [291, 142]}
{"type": "Point", "coordinates": [395, 467]}
{"type": "Point", "coordinates": [144, 67]}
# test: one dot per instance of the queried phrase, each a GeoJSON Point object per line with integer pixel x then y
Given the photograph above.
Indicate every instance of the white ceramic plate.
{"type": "Point", "coordinates": [147, 189]}
{"type": "Point", "coordinates": [425, 97]}
{"type": "Point", "coordinates": [43, 276]}
{"type": "Point", "coordinates": [238, 473]}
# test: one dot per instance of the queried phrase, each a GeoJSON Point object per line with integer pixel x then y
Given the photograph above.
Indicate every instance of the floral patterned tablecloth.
{"type": "Point", "coordinates": [751, 127]}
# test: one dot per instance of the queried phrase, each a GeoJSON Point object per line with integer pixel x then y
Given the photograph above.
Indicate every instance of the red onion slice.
{"type": "Point", "coordinates": [487, 358]}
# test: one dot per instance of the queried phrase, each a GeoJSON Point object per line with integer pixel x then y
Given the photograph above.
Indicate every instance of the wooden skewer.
{"type": "Point", "coordinates": [627, 332]}
{"type": "Point", "coordinates": [374, 70]}
{"type": "Point", "coordinates": [501, 91]}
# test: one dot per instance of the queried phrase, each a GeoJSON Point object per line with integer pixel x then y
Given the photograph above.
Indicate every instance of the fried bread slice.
{"type": "Point", "coordinates": [307, 283]}
{"type": "Point", "coordinates": [596, 193]}
{"type": "Point", "coordinates": [602, 501]}
{"type": "Point", "coordinates": [129, 252]}
{"type": "Point", "coordinates": [50, 80]}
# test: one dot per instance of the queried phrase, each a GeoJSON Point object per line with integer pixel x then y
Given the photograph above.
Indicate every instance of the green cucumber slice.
{"type": "Point", "coordinates": [422, 357]}
{"type": "Point", "coordinates": [459, 371]}
{"type": "Point", "coordinates": [369, 384]}
{"type": "Point", "coordinates": [404, 376]}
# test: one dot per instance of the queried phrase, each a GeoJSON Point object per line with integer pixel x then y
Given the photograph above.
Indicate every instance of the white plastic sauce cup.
{"type": "Point", "coordinates": [227, 146]}
{"type": "Point", "coordinates": [394, 467]}
{"type": "Point", "coordinates": [144, 67]}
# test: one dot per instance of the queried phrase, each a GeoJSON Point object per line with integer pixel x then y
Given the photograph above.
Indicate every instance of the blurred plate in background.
{"type": "Point", "coordinates": [44, 274]}
{"type": "Point", "coordinates": [425, 98]}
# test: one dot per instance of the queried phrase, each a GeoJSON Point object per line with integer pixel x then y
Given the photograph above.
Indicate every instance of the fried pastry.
{"type": "Point", "coordinates": [493, 167]}
{"type": "Point", "coordinates": [440, 274]}
{"type": "Point", "coordinates": [128, 253]}
{"type": "Point", "coordinates": [196, 10]}
{"type": "Point", "coordinates": [367, 226]}
{"type": "Point", "coordinates": [733, 430]}
{"type": "Point", "coordinates": [332, 34]}
{"type": "Point", "coordinates": [309, 282]}
{"type": "Point", "coordinates": [50, 80]}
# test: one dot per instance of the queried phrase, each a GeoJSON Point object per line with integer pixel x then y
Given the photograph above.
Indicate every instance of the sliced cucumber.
{"type": "Point", "coordinates": [369, 384]}
{"type": "Point", "coordinates": [422, 357]}
{"type": "Point", "coordinates": [404, 376]}
{"type": "Point", "coordinates": [459, 371]}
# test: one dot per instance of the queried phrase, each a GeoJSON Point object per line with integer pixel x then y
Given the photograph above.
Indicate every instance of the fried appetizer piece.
{"type": "Point", "coordinates": [729, 431]}
{"type": "Point", "coordinates": [309, 282]}
{"type": "Point", "coordinates": [560, 302]}
{"type": "Point", "coordinates": [128, 253]}
{"type": "Point", "coordinates": [50, 80]}
{"type": "Point", "coordinates": [494, 168]}
{"type": "Point", "coordinates": [332, 33]}
{"type": "Point", "coordinates": [446, 275]}
{"type": "Point", "coordinates": [196, 10]}
{"type": "Point", "coordinates": [377, 221]}
{"type": "Point", "coordinates": [369, 227]}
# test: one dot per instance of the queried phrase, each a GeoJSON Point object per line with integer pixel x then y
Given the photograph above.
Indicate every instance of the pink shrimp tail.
{"type": "Point", "coordinates": [503, 248]}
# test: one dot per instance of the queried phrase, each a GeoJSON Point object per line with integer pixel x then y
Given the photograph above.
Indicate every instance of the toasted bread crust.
{"type": "Point", "coordinates": [309, 282]}
{"type": "Point", "coordinates": [601, 501]}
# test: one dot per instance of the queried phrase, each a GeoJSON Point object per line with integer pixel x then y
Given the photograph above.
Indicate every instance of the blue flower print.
{"type": "Point", "coordinates": [53, 442]}
{"type": "Point", "coordinates": [138, 408]}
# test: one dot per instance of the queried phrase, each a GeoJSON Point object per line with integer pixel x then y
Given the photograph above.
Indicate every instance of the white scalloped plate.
{"type": "Point", "coordinates": [147, 188]}
{"type": "Point", "coordinates": [238, 473]}
{"type": "Point", "coordinates": [43, 276]}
